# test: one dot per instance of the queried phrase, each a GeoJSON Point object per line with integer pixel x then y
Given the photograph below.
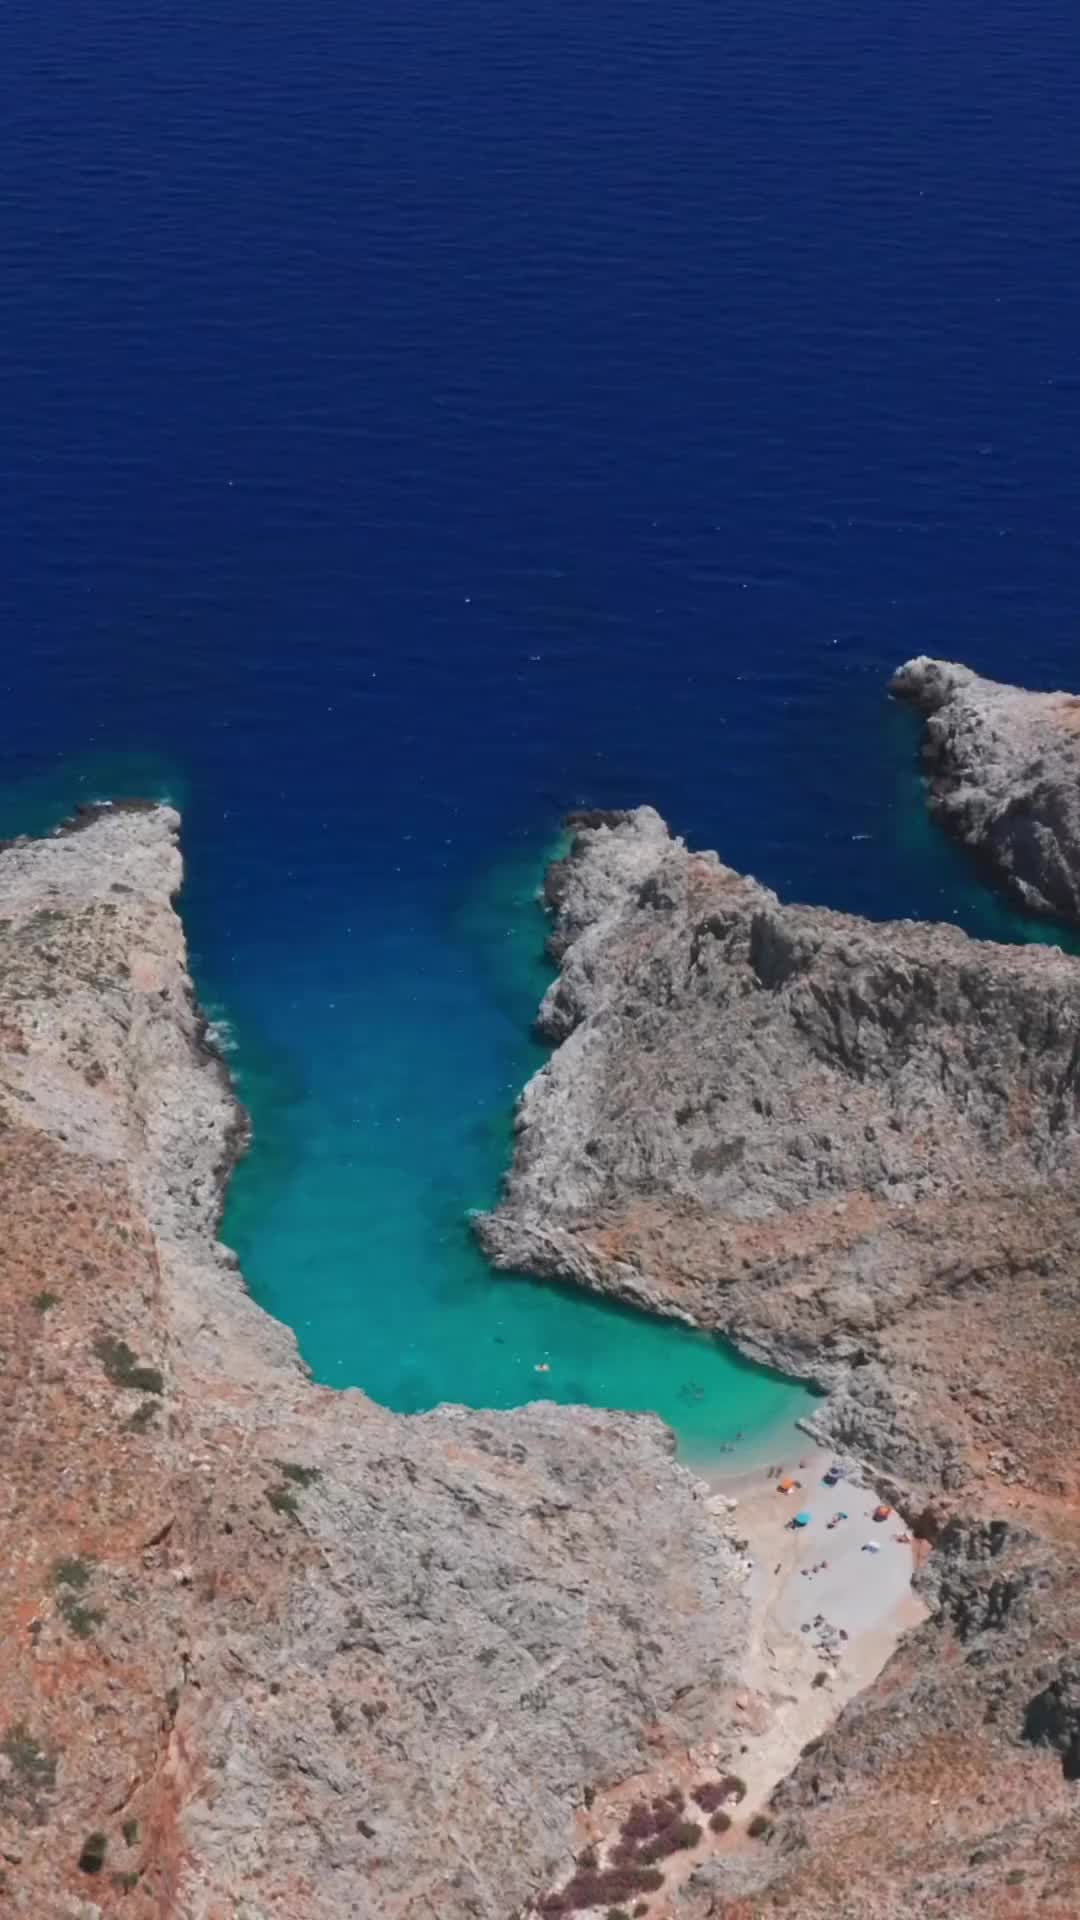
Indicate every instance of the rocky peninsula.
{"type": "Point", "coordinates": [854, 1149]}
{"type": "Point", "coordinates": [269, 1650]}
{"type": "Point", "coordinates": [1003, 776]}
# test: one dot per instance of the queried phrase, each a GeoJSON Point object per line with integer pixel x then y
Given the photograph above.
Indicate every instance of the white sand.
{"type": "Point", "coordinates": [795, 1683]}
{"type": "Point", "coordinates": [867, 1595]}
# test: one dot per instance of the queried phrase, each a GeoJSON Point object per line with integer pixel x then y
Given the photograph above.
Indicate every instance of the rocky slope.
{"type": "Point", "coordinates": [855, 1148]}
{"type": "Point", "coordinates": [1003, 775]}
{"type": "Point", "coordinates": [266, 1649]}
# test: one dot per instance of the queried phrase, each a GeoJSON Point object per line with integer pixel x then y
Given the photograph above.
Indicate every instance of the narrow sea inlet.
{"type": "Point", "coordinates": [349, 1213]}
{"type": "Point", "coordinates": [375, 992]}
{"type": "Point", "coordinates": [379, 1039]}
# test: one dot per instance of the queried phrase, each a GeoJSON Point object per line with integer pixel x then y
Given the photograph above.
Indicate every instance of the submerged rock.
{"type": "Point", "coordinates": [1003, 776]}
{"type": "Point", "coordinates": [271, 1648]}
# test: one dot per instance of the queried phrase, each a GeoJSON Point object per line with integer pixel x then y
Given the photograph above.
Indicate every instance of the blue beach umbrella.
{"type": "Point", "coordinates": [802, 1519]}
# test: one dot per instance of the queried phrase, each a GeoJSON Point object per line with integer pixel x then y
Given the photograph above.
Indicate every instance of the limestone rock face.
{"type": "Point", "coordinates": [1003, 775]}
{"type": "Point", "coordinates": [275, 1650]}
{"type": "Point", "coordinates": [853, 1147]}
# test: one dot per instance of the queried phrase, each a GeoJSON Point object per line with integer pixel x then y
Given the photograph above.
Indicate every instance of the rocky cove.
{"type": "Point", "coordinates": [270, 1649]}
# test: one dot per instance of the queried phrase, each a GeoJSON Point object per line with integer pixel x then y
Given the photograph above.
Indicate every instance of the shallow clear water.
{"type": "Point", "coordinates": [418, 421]}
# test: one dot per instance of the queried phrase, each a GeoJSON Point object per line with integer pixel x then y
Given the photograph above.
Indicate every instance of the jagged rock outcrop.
{"type": "Point", "coordinates": [1003, 775]}
{"type": "Point", "coordinates": [852, 1147]}
{"type": "Point", "coordinates": [269, 1650]}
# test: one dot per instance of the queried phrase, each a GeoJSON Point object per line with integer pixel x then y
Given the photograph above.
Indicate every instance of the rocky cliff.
{"type": "Point", "coordinates": [855, 1148]}
{"type": "Point", "coordinates": [1003, 776]}
{"type": "Point", "coordinates": [266, 1648]}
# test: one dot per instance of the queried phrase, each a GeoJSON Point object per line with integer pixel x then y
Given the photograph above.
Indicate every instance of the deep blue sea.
{"type": "Point", "coordinates": [419, 419]}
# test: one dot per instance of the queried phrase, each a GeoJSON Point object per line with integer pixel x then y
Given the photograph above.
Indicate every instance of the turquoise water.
{"type": "Point", "coordinates": [381, 1098]}
{"type": "Point", "coordinates": [349, 1216]}
{"type": "Point", "coordinates": [379, 1049]}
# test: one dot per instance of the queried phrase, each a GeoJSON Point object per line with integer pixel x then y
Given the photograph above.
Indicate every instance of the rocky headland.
{"type": "Point", "coordinates": [1003, 776]}
{"type": "Point", "coordinates": [854, 1149]}
{"type": "Point", "coordinates": [265, 1648]}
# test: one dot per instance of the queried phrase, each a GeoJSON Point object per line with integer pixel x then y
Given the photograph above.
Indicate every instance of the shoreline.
{"type": "Point", "coordinates": [738, 1464]}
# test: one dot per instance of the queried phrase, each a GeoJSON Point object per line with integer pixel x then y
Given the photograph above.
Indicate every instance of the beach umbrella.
{"type": "Point", "coordinates": [802, 1519]}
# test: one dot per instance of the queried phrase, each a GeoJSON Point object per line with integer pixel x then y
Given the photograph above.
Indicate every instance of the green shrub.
{"type": "Point", "coordinates": [122, 1368]}
{"type": "Point", "coordinates": [70, 1578]}
{"type": "Point", "coordinates": [676, 1837]}
{"type": "Point", "coordinates": [710, 1795]}
{"type": "Point", "coordinates": [82, 1620]}
{"type": "Point", "coordinates": [94, 1849]}
{"type": "Point", "coordinates": [75, 1573]}
{"type": "Point", "coordinates": [44, 1300]}
{"type": "Point", "coordinates": [300, 1476]}
{"type": "Point", "coordinates": [34, 1769]}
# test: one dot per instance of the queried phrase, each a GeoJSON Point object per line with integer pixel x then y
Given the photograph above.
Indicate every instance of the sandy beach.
{"type": "Point", "coordinates": [827, 1613]}
{"type": "Point", "coordinates": [820, 1633]}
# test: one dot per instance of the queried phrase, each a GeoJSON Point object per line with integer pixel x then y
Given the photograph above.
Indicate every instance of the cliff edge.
{"type": "Point", "coordinates": [265, 1648]}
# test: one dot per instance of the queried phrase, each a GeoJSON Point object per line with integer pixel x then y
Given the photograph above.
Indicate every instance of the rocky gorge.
{"type": "Point", "coordinates": [271, 1650]}
{"type": "Point", "coordinates": [268, 1649]}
